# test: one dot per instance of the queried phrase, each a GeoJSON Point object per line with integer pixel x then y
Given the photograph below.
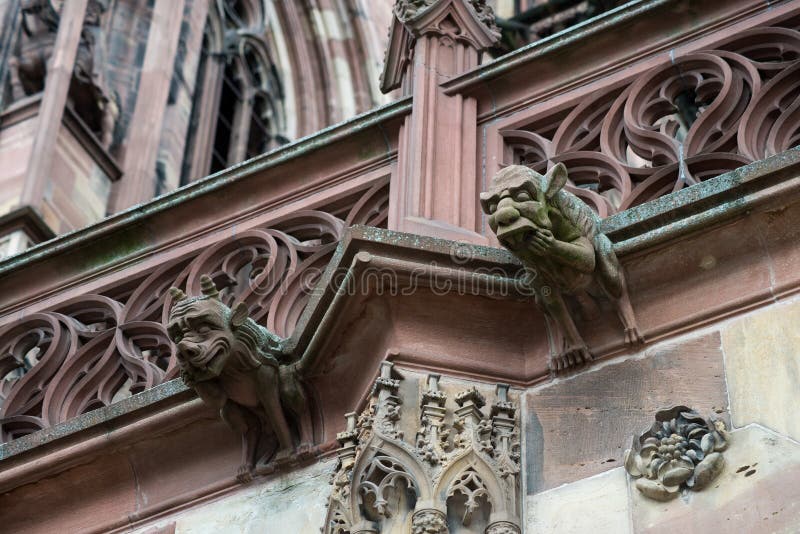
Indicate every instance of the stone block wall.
{"type": "Point", "coordinates": [745, 371]}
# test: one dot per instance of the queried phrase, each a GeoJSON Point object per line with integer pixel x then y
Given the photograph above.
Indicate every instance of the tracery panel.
{"type": "Point", "coordinates": [693, 117]}
{"type": "Point", "coordinates": [90, 351]}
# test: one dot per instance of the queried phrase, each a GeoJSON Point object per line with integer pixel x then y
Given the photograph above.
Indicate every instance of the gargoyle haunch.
{"type": "Point", "coordinates": [556, 235]}
{"type": "Point", "coordinates": [234, 365]}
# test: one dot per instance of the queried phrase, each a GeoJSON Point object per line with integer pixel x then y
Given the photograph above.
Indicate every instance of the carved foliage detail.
{"type": "Point", "coordinates": [682, 122]}
{"type": "Point", "coordinates": [429, 522]}
{"type": "Point", "coordinates": [681, 450]}
{"type": "Point", "coordinates": [463, 461]}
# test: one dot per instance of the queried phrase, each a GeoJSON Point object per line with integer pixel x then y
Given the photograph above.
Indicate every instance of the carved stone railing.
{"type": "Point", "coordinates": [692, 117]}
{"type": "Point", "coordinates": [90, 351]}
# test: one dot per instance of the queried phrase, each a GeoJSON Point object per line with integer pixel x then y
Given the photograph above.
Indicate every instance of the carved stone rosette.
{"type": "Point", "coordinates": [681, 450]}
{"type": "Point", "coordinates": [461, 470]}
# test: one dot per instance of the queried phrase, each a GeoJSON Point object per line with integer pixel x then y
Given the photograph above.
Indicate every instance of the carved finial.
{"type": "Point", "coordinates": [208, 288]}
{"type": "Point", "coordinates": [351, 420]}
{"type": "Point", "coordinates": [433, 382]}
{"type": "Point", "coordinates": [502, 392]}
{"type": "Point", "coordinates": [177, 294]}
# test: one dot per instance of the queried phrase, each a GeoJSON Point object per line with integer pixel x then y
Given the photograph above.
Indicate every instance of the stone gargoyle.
{"type": "Point", "coordinates": [234, 365]}
{"type": "Point", "coordinates": [557, 238]}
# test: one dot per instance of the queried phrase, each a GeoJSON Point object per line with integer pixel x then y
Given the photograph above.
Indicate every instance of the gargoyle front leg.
{"type": "Point", "coordinates": [235, 417]}
{"type": "Point", "coordinates": [625, 312]}
{"type": "Point", "coordinates": [248, 426]}
{"type": "Point", "coordinates": [295, 401]}
{"type": "Point", "coordinates": [575, 351]}
{"type": "Point", "coordinates": [269, 396]}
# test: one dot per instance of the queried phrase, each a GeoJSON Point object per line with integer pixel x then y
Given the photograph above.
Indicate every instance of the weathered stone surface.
{"type": "Point", "coordinates": [557, 237]}
{"type": "Point", "coordinates": [762, 366]}
{"type": "Point", "coordinates": [758, 491]}
{"type": "Point", "coordinates": [581, 426]}
{"type": "Point", "coordinates": [293, 502]}
{"type": "Point", "coordinates": [597, 504]}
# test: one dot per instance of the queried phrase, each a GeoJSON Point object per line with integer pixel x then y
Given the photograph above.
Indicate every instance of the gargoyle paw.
{"type": "Point", "coordinates": [633, 336]}
{"type": "Point", "coordinates": [571, 357]}
{"type": "Point", "coordinates": [244, 474]}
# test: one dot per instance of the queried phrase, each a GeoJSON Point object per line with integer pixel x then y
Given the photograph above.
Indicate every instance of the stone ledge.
{"type": "Point", "coordinates": [174, 390]}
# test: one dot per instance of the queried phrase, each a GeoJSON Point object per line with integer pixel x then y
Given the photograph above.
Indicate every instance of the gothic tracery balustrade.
{"type": "Point", "coordinates": [687, 120]}
{"type": "Point", "coordinates": [90, 351]}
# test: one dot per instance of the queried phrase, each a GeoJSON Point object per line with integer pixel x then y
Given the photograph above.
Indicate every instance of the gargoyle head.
{"type": "Point", "coordinates": [518, 203]}
{"type": "Point", "coordinates": [207, 333]}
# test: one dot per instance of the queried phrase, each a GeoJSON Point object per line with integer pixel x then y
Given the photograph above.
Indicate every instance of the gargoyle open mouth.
{"type": "Point", "coordinates": [517, 234]}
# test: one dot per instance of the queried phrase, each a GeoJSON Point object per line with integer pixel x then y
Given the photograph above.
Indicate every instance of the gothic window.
{"type": "Point", "coordinates": [238, 108]}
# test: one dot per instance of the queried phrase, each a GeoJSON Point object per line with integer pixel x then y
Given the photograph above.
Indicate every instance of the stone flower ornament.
{"type": "Point", "coordinates": [681, 450]}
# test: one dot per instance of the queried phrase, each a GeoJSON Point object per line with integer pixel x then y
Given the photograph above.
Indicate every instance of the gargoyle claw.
{"type": "Point", "coordinates": [633, 337]}
{"type": "Point", "coordinates": [244, 474]}
{"type": "Point", "coordinates": [570, 358]}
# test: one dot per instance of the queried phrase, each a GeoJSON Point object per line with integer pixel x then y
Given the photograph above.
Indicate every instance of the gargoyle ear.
{"type": "Point", "coordinates": [239, 315]}
{"type": "Point", "coordinates": [486, 201]}
{"type": "Point", "coordinates": [556, 179]}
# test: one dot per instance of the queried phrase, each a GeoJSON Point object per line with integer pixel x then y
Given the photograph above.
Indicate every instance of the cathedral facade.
{"type": "Point", "coordinates": [423, 266]}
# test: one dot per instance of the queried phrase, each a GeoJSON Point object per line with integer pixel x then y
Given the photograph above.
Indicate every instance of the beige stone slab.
{"type": "Point", "coordinates": [762, 367]}
{"type": "Point", "coordinates": [757, 492]}
{"type": "Point", "coordinates": [581, 426]}
{"type": "Point", "coordinates": [291, 502]}
{"type": "Point", "coordinates": [597, 504]}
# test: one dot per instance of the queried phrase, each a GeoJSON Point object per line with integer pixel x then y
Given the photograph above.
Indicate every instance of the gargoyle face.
{"type": "Point", "coordinates": [517, 203]}
{"type": "Point", "coordinates": [201, 329]}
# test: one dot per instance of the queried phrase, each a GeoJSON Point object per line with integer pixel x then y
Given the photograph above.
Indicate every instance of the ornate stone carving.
{"type": "Point", "coordinates": [503, 527]}
{"type": "Point", "coordinates": [681, 450]}
{"type": "Point", "coordinates": [468, 22]}
{"type": "Point", "coordinates": [90, 94]}
{"type": "Point", "coordinates": [690, 118]}
{"type": "Point", "coordinates": [429, 522]}
{"type": "Point", "coordinates": [235, 366]}
{"type": "Point", "coordinates": [90, 351]}
{"type": "Point", "coordinates": [410, 9]}
{"type": "Point", "coordinates": [461, 469]}
{"type": "Point", "coordinates": [34, 47]}
{"type": "Point", "coordinates": [557, 238]}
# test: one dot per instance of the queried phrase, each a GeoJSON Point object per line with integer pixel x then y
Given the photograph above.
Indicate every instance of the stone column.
{"type": "Point", "coordinates": [138, 178]}
{"type": "Point", "coordinates": [54, 100]}
{"type": "Point", "coordinates": [435, 188]}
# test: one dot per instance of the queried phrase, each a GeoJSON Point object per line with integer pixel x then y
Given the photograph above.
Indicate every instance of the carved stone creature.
{"type": "Point", "coordinates": [90, 94]}
{"type": "Point", "coordinates": [233, 365]}
{"type": "Point", "coordinates": [680, 450]}
{"type": "Point", "coordinates": [557, 237]}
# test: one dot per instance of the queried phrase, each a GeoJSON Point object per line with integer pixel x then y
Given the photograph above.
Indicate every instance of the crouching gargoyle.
{"type": "Point", "coordinates": [556, 236]}
{"type": "Point", "coordinates": [234, 365]}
